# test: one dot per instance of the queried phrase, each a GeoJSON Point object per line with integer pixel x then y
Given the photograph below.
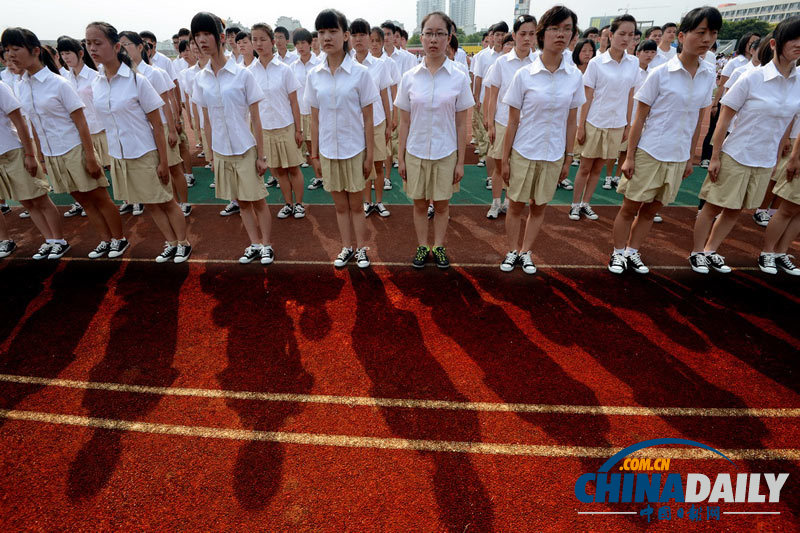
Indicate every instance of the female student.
{"type": "Point", "coordinates": [128, 107]}
{"type": "Point", "coordinates": [584, 51]}
{"type": "Point", "coordinates": [376, 50]}
{"type": "Point", "coordinates": [21, 179]}
{"type": "Point", "coordinates": [669, 111]}
{"type": "Point", "coordinates": [341, 93]}
{"type": "Point", "coordinates": [606, 115]}
{"type": "Point", "coordinates": [248, 54]}
{"type": "Point", "coordinates": [161, 81]}
{"type": "Point", "coordinates": [433, 99]}
{"type": "Point", "coordinates": [227, 93]}
{"type": "Point", "coordinates": [497, 80]}
{"type": "Point", "coordinates": [305, 62]}
{"type": "Point", "coordinates": [360, 35]}
{"type": "Point", "coordinates": [280, 119]}
{"type": "Point", "coordinates": [543, 101]}
{"type": "Point", "coordinates": [764, 100]}
{"type": "Point", "coordinates": [55, 110]}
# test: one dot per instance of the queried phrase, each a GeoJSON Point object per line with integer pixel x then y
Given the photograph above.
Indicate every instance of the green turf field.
{"type": "Point", "coordinates": [473, 191]}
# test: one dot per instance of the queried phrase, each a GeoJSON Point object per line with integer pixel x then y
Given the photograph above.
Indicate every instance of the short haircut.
{"type": "Point", "coordinates": [696, 16]}
{"type": "Point", "coordinates": [283, 31]}
{"type": "Point", "coordinates": [523, 19]}
{"type": "Point", "coordinates": [232, 30]}
{"type": "Point", "coordinates": [648, 45]}
{"type": "Point", "coordinates": [242, 35]}
{"type": "Point", "coordinates": [359, 26]}
{"type": "Point", "coordinates": [148, 35]}
{"type": "Point", "coordinates": [301, 35]}
{"type": "Point", "coordinates": [649, 31]}
{"type": "Point", "coordinates": [621, 20]}
{"type": "Point", "coordinates": [484, 35]}
{"type": "Point", "coordinates": [606, 27]}
{"type": "Point", "coordinates": [637, 32]}
{"type": "Point", "coordinates": [389, 25]}
{"type": "Point", "coordinates": [588, 31]}
{"type": "Point", "coordinates": [404, 33]}
{"type": "Point", "coordinates": [741, 44]}
{"type": "Point", "coordinates": [553, 17]}
{"type": "Point", "coordinates": [669, 25]}
{"type": "Point", "coordinates": [508, 38]}
{"type": "Point", "coordinates": [576, 53]}
{"type": "Point", "coordinates": [184, 32]}
{"type": "Point", "coordinates": [501, 26]}
{"type": "Point", "coordinates": [786, 30]}
{"type": "Point", "coordinates": [314, 34]}
{"type": "Point", "coordinates": [176, 36]}
{"type": "Point", "coordinates": [378, 32]}
{"type": "Point", "coordinates": [183, 46]}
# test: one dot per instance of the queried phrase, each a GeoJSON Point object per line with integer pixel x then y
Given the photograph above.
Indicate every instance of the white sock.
{"type": "Point", "coordinates": [256, 245]}
{"type": "Point", "coordinates": [767, 254]}
{"type": "Point", "coordinates": [62, 242]}
{"type": "Point", "coordinates": [761, 210]}
{"type": "Point", "coordinates": [630, 251]}
{"type": "Point", "coordinates": [771, 211]}
{"type": "Point", "coordinates": [620, 251]}
{"type": "Point", "coordinates": [495, 202]}
{"type": "Point", "coordinates": [576, 205]}
{"type": "Point", "coordinates": [234, 202]}
{"type": "Point", "coordinates": [709, 252]}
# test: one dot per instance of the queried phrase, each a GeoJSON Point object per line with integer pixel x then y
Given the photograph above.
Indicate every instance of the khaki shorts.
{"type": "Point", "coordinates": [206, 149]}
{"type": "Point", "coordinates": [780, 168]}
{"type": "Point", "coordinates": [236, 178]}
{"type": "Point", "coordinates": [479, 133]}
{"type": "Point", "coordinates": [534, 181]}
{"type": "Point", "coordinates": [737, 187]}
{"type": "Point", "coordinates": [305, 123]}
{"type": "Point", "coordinates": [68, 174]}
{"type": "Point", "coordinates": [15, 182]}
{"type": "Point", "coordinates": [394, 145]}
{"type": "Point", "coordinates": [431, 179]}
{"type": "Point", "coordinates": [100, 144]}
{"type": "Point", "coordinates": [381, 151]}
{"type": "Point", "coordinates": [653, 180]}
{"type": "Point", "coordinates": [136, 180]}
{"type": "Point", "coordinates": [280, 148]}
{"type": "Point", "coordinates": [602, 143]}
{"type": "Point", "coordinates": [343, 175]}
{"type": "Point", "coordinates": [173, 152]}
{"type": "Point", "coordinates": [788, 190]}
{"type": "Point", "coordinates": [496, 149]}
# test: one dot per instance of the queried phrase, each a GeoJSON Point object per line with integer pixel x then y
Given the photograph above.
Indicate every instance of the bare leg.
{"type": "Point", "coordinates": [93, 214]}
{"type": "Point", "coordinates": [262, 216]}
{"type": "Point", "coordinates": [3, 230]}
{"type": "Point", "coordinates": [623, 222]}
{"type": "Point", "coordinates": [45, 216]}
{"type": "Point", "coordinates": [250, 222]}
{"type": "Point", "coordinates": [721, 228]}
{"type": "Point", "coordinates": [421, 221]}
{"type": "Point", "coordinates": [532, 226]}
{"type": "Point", "coordinates": [791, 233]}
{"type": "Point", "coordinates": [594, 178]}
{"type": "Point", "coordinates": [703, 224]}
{"type": "Point", "coordinates": [642, 224]}
{"type": "Point", "coordinates": [342, 204]}
{"type": "Point", "coordinates": [778, 226]}
{"type": "Point", "coordinates": [160, 217]}
{"type": "Point", "coordinates": [296, 182]}
{"type": "Point", "coordinates": [581, 178]}
{"type": "Point", "coordinates": [283, 180]}
{"type": "Point", "coordinates": [497, 181]}
{"type": "Point", "coordinates": [513, 223]}
{"type": "Point", "coordinates": [440, 221]}
{"type": "Point", "coordinates": [357, 218]}
{"type": "Point", "coordinates": [378, 182]}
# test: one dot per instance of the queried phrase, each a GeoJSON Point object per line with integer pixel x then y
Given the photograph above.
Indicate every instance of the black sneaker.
{"type": "Point", "coordinates": [272, 181]}
{"type": "Point", "coordinates": [250, 254]}
{"type": "Point", "coordinates": [717, 262]}
{"type": "Point", "coordinates": [761, 218]}
{"type": "Point", "coordinates": [440, 257]}
{"type": "Point", "coordinates": [508, 264]}
{"type": "Point", "coordinates": [316, 183]}
{"type": "Point", "coordinates": [420, 257]}
{"type": "Point", "coordinates": [784, 262]}
{"type": "Point", "coordinates": [125, 208]}
{"type": "Point", "coordinates": [100, 250]}
{"type": "Point", "coordinates": [57, 250]}
{"type": "Point", "coordinates": [368, 208]}
{"type": "Point", "coordinates": [6, 247]}
{"type": "Point", "coordinates": [43, 251]}
{"type": "Point", "coordinates": [187, 209]}
{"type": "Point", "coordinates": [344, 257]}
{"type": "Point", "coordinates": [230, 209]}
{"type": "Point", "coordinates": [5, 209]}
{"type": "Point", "coordinates": [183, 252]}
{"type": "Point", "coordinates": [636, 264]}
{"type": "Point", "coordinates": [766, 262]}
{"type": "Point", "coordinates": [118, 247]}
{"type": "Point", "coordinates": [267, 255]}
{"type": "Point", "coordinates": [190, 180]}
{"type": "Point", "coordinates": [617, 264]}
{"type": "Point", "coordinates": [168, 254]}
{"type": "Point", "coordinates": [74, 210]}
{"type": "Point", "coordinates": [699, 263]}
{"type": "Point", "coordinates": [431, 212]}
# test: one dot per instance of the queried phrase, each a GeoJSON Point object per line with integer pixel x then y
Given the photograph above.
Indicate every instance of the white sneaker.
{"type": "Point", "coordinates": [361, 257]}
{"type": "Point", "coordinates": [607, 183]}
{"type": "Point", "coordinates": [565, 184]}
{"type": "Point", "coordinates": [511, 260]}
{"type": "Point", "coordinates": [494, 211]}
{"type": "Point", "coordinates": [704, 163]}
{"type": "Point", "coordinates": [387, 184]}
{"type": "Point", "coordinates": [575, 212]}
{"type": "Point", "coordinates": [299, 211]}
{"type": "Point", "coordinates": [481, 163]}
{"type": "Point", "coordinates": [267, 255]}
{"type": "Point", "coordinates": [286, 211]}
{"type": "Point", "coordinates": [489, 183]}
{"type": "Point", "coordinates": [138, 209]}
{"type": "Point", "coordinates": [657, 219]}
{"type": "Point", "coordinates": [381, 210]}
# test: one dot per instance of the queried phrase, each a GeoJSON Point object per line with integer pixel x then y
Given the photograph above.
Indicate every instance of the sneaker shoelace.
{"type": "Point", "coordinates": [701, 260]}
{"type": "Point", "coordinates": [768, 260]}
{"type": "Point", "coordinates": [575, 210]}
{"type": "Point", "coordinates": [168, 250]}
{"type": "Point", "coordinates": [422, 253]}
{"type": "Point", "coordinates": [361, 254]}
{"type": "Point", "coordinates": [44, 248]}
{"type": "Point", "coordinates": [717, 259]}
{"type": "Point", "coordinates": [440, 253]}
{"type": "Point", "coordinates": [526, 259]}
{"type": "Point", "coordinates": [251, 251]}
{"type": "Point", "coordinates": [343, 254]}
{"type": "Point", "coordinates": [636, 259]}
{"type": "Point", "coordinates": [181, 249]}
{"type": "Point", "coordinates": [588, 210]}
{"type": "Point", "coordinates": [5, 246]}
{"type": "Point", "coordinates": [618, 260]}
{"type": "Point", "coordinates": [786, 260]}
{"type": "Point", "coordinates": [103, 246]}
{"type": "Point", "coordinates": [511, 258]}
{"type": "Point", "coordinates": [266, 251]}
{"type": "Point", "coordinates": [116, 244]}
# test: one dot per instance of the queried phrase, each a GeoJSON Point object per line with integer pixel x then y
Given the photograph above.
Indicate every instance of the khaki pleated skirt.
{"type": "Point", "coordinates": [280, 148]}
{"type": "Point", "coordinates": [602, 143]}
{"type": "Point", "coordinates": [68, 174]}
{"type": "Point", "coordinates": [430, 179]}
{"type": "Point", "coordinates": [236, 178]}
{"type": "Point", "coordinates": [136, 180]}
{"type": "Point", "coordinates": [343, 175]}
{"type": "Point", "coordinates": [15, 182]}
{"type": "Point", "coordinates": [100, 143]}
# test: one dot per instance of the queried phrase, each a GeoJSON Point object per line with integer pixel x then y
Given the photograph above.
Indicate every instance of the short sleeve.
{"type": "Point", "coordinates": [464, 100]}
{"type": "Point", "coordinates": [367, 90]}
{"type": "Point", "coordinates": [69, 97]}
{"type": "Point", "coordinates": [403, 99]}
{"type": "Point", "coordinates": [648, 93]}
{"type": "Point", "coordinates": [159, 82]}
{"type": "Point", "coordinates": [735, 75]}
{"type": "Point", "coordinates": [290, 82]}
{"type": "Point", "coordinates": [252, 92]}
{"type": "Point", "coordinates": [310, 94]}
{"type": "Point", "coordinates": [737, 95]}
{"type": "Point", "coordinates": [8, 102]}
{"type": "Point", "coordinates": [492, 77]}
{"type": "Point", "coordinates": [516, 91]}
{"type": "Point", "coordinates": [385, 77]}
{"type": "Point", "coordinates": [395, 70]}
{"type": "Point", "coordinates": [590, 76]}
{"type": "Point", "coordinates": [149, 99]}
{"type": "Point", "coordinates": [579, 94]}
{"type": "Point", "coordinates": [167, 81]}
{"type": "Point", "coordinates": [728, 69]}
{"type": "Point", "coordinates": [197, 91]}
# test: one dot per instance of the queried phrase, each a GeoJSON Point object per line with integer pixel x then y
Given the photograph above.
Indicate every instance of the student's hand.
{"type": "Point", "coordinates": [42, 163]}
{"type": "Point", "coordinates": [628, 167]}
{"type": "Point", "coordinates": [787, 149]}
{"type": "Point", "coordinates": [565, 168]}
{"type": "Point", "coordinates": [30, 165]}
{"type": "Point", "coordinates": [261, 166]}
{"type": "Point", "coordinates": [298, 138]}
{"type": "Point", "coordinates": [163, 171]}
{"type": "Point", "coordinates": [688, 170]}
{"type": "Point", "coordinates": [485, 123]}
{"type": "Point", "coordinates": [368, 167]}
{"type": "Point", "coordinates": [492, 132]}
{"type": "Point", "coordinates": [179, 127]}
{"type": "Point", "coordinates": [388, 135]}
{"type": "Point", "coordinates": [713, 169]}
{"type": "Point", "coordinates": [791, 168]}
{"type": "Point", "coordinates": [172, 138]}
{"type": "Point", "coordinates": [505, 171]}
{"type": "Point", "coordinates": [580, 137]}
{"type": "Point", "coordinates": [401, 167]}
{"type": "Point", "coordinates": [93, 167]}
{"type": "Point", "coordinates": [458, 173]}
{"type": "Point", "coordinates": [625, 133]}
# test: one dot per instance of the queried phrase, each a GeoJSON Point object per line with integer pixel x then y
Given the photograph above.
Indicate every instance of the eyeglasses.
{"type": "Point", "coordinates": [559, 31]}
{"type": "Point", "coordinates": [437, 35]}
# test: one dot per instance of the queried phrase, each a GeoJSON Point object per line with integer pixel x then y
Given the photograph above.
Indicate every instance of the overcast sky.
{"type": "Point", "coordinates": [52, 18]}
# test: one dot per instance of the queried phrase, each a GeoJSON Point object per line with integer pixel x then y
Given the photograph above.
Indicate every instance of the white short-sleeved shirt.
{"type": "Point", "coordinates": [462, 67]}
{"type": "Point", "coordinates": [765, 103]}
{"type": "Point", "coordinates": [160, 81]}
{"type": "Point", "coordinates": [301, 71]}
{"type": "Point", "coordinates": [164, 63]}
{"type": "Point", "coordinates": [612, 83]}
{"type": "Point", "coordinates": [122, 104]}
{"type": "Point", "coordinates": [735, 75]}
{"type": "Point", "coordinates": [290, 57]}
{"type": "Point", "coordinates": [277, 82]}
{"type": "Point", "coordinates": [83, 84]}
{"type": "Point", "coordinates": [795, 127]}
{"type": "Point", "coordinates": [8, 77]}
{"type": "Point", "coordinates": [228, 96]}
{"type": "Point", "coordinates": [179, 64]}
{"type": "Point", "coordinates": [461, 57]}
{"type": "Point", "coordinates": [9, 140]}
{"type": "Point", "coordinates": [733, 64]}
{"type": "Point", "coordinates": [544, 99]}
{"type": "Point", "coordinates": [640, 77]}
{"type": "Point", "coordinates": [404, 60]}
{"type": "Point", "coordinates": [711, 57]}
{"type": "Point", "coordinates": [500, 75]}
{"type": "Point", "coordinates": [433, 101]}
{"type": "Point", "coordinates": [675, 100]}
{"type": "Point", "coordinates": [382, 77]}
{"type": "Point", "coordinates": [340, 98]}
{"type": "Point", "coordinates": [48, 99]}
{"type": "Point", "coordinates": [189, 76]}
{"type": "Point", "coordinates": [662, 57]}
{"type": "Point", "coordinates": [486, 60]}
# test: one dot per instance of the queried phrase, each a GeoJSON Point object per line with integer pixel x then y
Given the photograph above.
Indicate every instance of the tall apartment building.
{"type": "Point", "coordinates": [769, 11]}
{"type": "Point", "coordinates": [463, 14]}
{"type": "Point", "coordinates": [426, 6]}
{"type": "Point", "coordinates": [522, 7]}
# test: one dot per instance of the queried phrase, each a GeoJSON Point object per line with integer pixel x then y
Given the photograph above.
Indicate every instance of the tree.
{"type": "Point", "coordinates": [414, 40]}
{"type": "Point", "coordinates": [734, 30]}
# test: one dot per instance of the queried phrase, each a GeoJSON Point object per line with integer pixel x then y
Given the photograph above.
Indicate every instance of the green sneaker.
{"type": "Point", "coordinates": [420, 257]}
{"type": "Point", "coordinates": [440, 257]}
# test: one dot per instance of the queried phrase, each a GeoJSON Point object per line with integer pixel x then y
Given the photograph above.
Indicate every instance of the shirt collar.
{"type": "Point", "coordinates": [448, 66]}
{"type": "Point", "coordinates": [771, 71]}
{"type": "Point", "coordinates": [675, 64]}
{"type": "Point", "coordinates": [537, 66]}
{"type": "Point", "coordinates": [347, 64]}
{"type": "Point", "coordinates": [230, 66]}
{"type": "Point", "coordinates": [512, 55]}
{"type": "Point", "coordinates": [40, 76]}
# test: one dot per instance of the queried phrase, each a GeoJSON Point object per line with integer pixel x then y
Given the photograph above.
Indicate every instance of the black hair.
{"type": "Point", "coordinates": [637, 32]}
{"type": "Point", "coordinates": [207, 22]}
{"type": "Point", "coordinates": [508, 38]}
{"type": "Point", "coordinates": [25, 38]}
{"type": "Point", "coordinates": [786, 30]}
{"type": "Point", "coordinates": [668, 25]}
{"type": "Point", "coordinates": [523, 19]}
{"type": "Point", "coordinates": [404, 33]}
{"type": "Point", "coordinates": [617, 22]}
{"type": "Point", "coordinates": [136, 39]}
{"type": "Point", "coordinates": [266, 28]}
{"type": "Point", "coordinates": [741, 44]}
{"type": "Point", "coordinates": [377, 31]}
{"type": "Point", "coordinates": [501, 26]}
{"type": "Point", "coordinates": [283, 31]}
{"type": "Point", "coordinates": [447, 20]}
{"type": "Point", "coordinates": [301, 35]}
{"type": "Point", "coordinates": [589, 31]}
{"type": "Point", "coordinates": [314, 34]}
{"type": "Point", "coordinates": [56, 57]}
{"type": "Point", "coordinates": [233, 29]}
{"type": "Point", "coordinates": [175, 36]}
{"type": "Point", "coordinates": [113, 37]}
{"type": "Point", "coordinates": [242, 35]}
{"type": "Point", "coordinates": [552, 17]}
{"type": "Point", "coordinates": [576, 53]}
{"type": "Point", "coordinates": [330, 19]}
{"type": "Point", "coordinates": [453, 42]}
{"type": "Point", "coordinates": [389, 25]}
{"type": "Point", "coordinates": [183, 32]}
{"type": "Point", "coordinates": [359, 26]}
{"type": "Point", "coordinates": [755, 44]}
{"type": "Point", "coordinates": [765, 53]}
{"type": "Point", "coordinates": [484, 35]}
{"type": "Point", "coordinates": [68, 44]}
{"type": "Point", "coordinates": [148, 35]}
{"type": "Point", "coordinates": [696, 16]}
{"type": "Point", "coordinates": [183, 46]}
{"type": "Point", "coordinates": [648, 45]}
{"type": "Point", "coordinates": [649, 31]}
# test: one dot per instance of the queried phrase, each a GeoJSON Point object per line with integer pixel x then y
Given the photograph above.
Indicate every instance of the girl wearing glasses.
{"type": "Point", "coordinates": [543, 101]}
{"type": "Point", "coordinates": [433, 99]}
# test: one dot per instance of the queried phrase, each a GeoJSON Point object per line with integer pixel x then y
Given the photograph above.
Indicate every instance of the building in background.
{"type": "Point", "coordinates": [606, 20]}
{"type": "Point", "coordinates": [769, 11]}
{"type": "Point", "coordinates": [289, 23]}
{"type": "Point", "coordinates": [427, 6]}
{"type": "Point", "coordinates": [522, 7]}
{"type": "Point", "coordinates": [463, 14]}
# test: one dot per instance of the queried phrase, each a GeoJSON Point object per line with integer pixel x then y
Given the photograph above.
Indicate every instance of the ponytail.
{"type": "Point", "coordinates": [47, 60]}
